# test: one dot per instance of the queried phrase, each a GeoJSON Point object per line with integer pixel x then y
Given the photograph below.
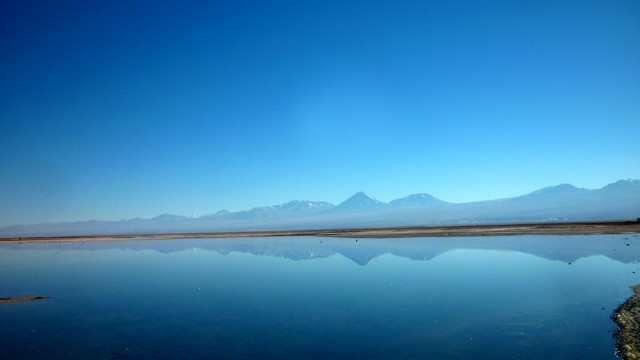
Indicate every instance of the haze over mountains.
{"type": "Point", "coordinates": [561, 203]}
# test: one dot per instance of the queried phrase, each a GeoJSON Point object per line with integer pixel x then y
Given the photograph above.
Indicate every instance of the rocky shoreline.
{"type": "Point", "coordinates": [627, 316]}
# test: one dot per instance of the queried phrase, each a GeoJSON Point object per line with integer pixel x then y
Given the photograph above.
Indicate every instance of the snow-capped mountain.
{"type": "Point", "coordinates": [291, 208]}
{"type": "Point", "coordinates": [170, 217]}
{"type": "Point", "coordinates": [304, 206]}
{"type": "Point", "coordinates": [218, 215]}
{"type": "Point", "coordinates": [622, 187]}
{"type": "Point", "coordinates": [562, 190]}
{"type": "Point", "coordinates": [360, 201]}
{"type": "Point", "coordinates": [417, 200]}
{"type": "Point", "coordinates": [223, 212]}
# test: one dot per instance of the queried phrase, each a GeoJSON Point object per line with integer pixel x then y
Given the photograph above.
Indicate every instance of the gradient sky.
{"type": "Point", "coordinates": [121, 109]}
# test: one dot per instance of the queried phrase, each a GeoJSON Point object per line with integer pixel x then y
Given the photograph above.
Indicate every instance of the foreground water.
{"type": "Point", "coordinates": [517, 297]}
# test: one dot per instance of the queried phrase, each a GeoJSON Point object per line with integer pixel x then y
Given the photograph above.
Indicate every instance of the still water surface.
{"type": "Point", "coordinates": [517, 297]}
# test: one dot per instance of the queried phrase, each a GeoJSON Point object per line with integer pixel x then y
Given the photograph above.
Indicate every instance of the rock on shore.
{"type": "Point", "coordinates": [627, 316]}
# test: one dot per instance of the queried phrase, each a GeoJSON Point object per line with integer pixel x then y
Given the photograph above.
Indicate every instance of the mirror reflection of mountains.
{"type": "Point", "coordinates": [623, 248]}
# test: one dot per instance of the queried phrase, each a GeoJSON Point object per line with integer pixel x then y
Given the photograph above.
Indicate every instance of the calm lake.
{"type": "Point", "coordinates": [515, 297]}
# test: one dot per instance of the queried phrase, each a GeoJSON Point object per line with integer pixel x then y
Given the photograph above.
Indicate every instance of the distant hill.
{"type": "Point", "coordinates": [561, 203]}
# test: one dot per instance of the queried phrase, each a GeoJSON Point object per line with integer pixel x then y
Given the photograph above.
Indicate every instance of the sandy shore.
{"type": "Point", "coordinates": [435, 231]}
{"type": "Point", "coordinates": [21, 299]}
{"type": "Point", "coordinates": [627, 316]}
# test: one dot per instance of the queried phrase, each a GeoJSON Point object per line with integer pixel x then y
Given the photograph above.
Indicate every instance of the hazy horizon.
{"type": "Point", "coordinates": [120, 110]}
{"type": "Point", "coordinates": [618, 201]}
{"type": "Point", "coordinates": [257, 206]}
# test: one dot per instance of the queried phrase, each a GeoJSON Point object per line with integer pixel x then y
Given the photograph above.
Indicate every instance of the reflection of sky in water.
{"type": "Point", "coordinates": [473, 298]}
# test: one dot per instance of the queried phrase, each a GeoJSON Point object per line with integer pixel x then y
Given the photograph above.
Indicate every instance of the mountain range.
{"type": "Point", "coordinates": [561, 203]}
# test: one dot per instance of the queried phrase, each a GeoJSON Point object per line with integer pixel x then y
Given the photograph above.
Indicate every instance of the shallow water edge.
{"type": "Point", "coordinates": [584, 228]}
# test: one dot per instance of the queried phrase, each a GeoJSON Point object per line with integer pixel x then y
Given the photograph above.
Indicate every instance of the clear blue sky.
{"type": "Point", "coordinates": [121, 109]}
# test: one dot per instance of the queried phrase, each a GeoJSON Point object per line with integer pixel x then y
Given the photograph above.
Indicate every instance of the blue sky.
{"type": "Point", "coordinates": [121, 109]}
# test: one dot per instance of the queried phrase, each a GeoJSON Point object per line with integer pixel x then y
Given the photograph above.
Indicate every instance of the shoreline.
{"type": "Point", "coordinates": [22, 299]}
{"type": "Point", "coordinates": [584, 228]}
{"type": "Point", "coordinates": [627, 317]}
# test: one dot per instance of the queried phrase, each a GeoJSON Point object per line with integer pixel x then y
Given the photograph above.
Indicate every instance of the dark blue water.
{"type": "Point", "coordinates": [520, 297]}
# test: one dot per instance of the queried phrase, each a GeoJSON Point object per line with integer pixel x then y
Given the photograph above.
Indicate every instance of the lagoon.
{"type": "Point", "coordinates": [509, 297]}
